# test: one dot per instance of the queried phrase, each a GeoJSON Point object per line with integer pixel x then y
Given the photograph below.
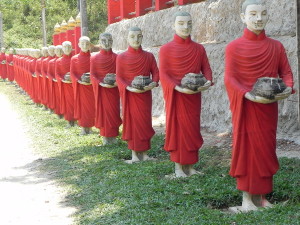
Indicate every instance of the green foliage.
{"type": "Point", "coordinates": [22, 20]}
{"type": "Point", "coordinates": [105, 190]}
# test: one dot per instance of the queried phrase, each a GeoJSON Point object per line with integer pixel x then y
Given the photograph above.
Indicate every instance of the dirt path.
{"type": "Point", "coordinates": [27, 197]}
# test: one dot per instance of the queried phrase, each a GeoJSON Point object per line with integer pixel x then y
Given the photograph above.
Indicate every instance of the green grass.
{"type": "Point", "coordinates": [105, 190]}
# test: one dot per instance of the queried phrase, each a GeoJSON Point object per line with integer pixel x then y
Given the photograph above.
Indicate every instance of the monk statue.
{"type": "Point", "coordinates": [107, 97]}
{"type": "Point", "coordinates": [35, 54]}
{"type": "Point", "coordinates": [50, 63]}
{"type": "Point", "coordinates": [3, 69]}
{"type": "Point", "coordinates": [44, 68]}
{"type": "Point", "coordinates": [136, 66]}
{"type": "Point", "coordinates": [62, 75]}
{"type": "Point", "coordinates": [84, 108]}
{"type": "Point", "coordinates": [10, 65]}
{"type": "Point", "coordinates": [254, 118]}
{"type": "Point", "coordinates": [177, 59]}
{"type": "Point", "coordinates": [39, 76]}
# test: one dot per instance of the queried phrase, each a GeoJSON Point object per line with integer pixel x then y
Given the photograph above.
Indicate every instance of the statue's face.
{"type": "Point", "coordinates": [183, 26]}
{"type": "Point", "coordinates": [36, 54]}
{"type": "Point", "coordinates": [67, 49]}
{"type": "Point", "coordinates": [105, 42]}
{"type": "Point", "coordinates": [51, 51]}
{"type": "Point", "coordinates": [3, 50]}
{"type": "Point", "coordinates": [255, 17]}
{"type": "Point", "coordinates": [58, 52]}
{"type": "Point", "coordinates": [11, 51]}
{"type": "Point", "coordinates": [84, 45]}
{"type": "Point", "coordinates": [135, 39]}
{"type": "Point", "coordinates": [45, 52]}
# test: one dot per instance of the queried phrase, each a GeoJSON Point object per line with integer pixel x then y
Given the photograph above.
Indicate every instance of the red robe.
{"type": "Point", "coordinates": [107, 100]}
{"type": "Point", "coordinates": [65, 90]}
{"type": "Point", "coordinates": [254, 160]}
{"type": "Point", "coordinates": [136, 107]}
{"type": "Point", "coordinates": [183, 137]}
{"type": "Point", "coordinates": [33, 80]}
{"type": "Point", "coordinates": [3, 69]}
{"type": "Point", "coordinates": [10, 67]}
{"type": "Point", "coordinates": [54, 98]}
{"type": "Point", "coordinates": [46, 89]}
{"type": "Point", "coordinates": [38, 72]}
{"type": "Point", "coordinates": [84, 108]}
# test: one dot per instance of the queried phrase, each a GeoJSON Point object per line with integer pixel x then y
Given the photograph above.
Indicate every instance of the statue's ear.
{"type": "Point", "coordinates": [243, 17]}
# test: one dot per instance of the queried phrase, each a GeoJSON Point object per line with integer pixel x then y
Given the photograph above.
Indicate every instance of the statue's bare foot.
{"type": "Point", "coordinates": [192, 171]}
{"type": "Point", "coordinates": [180, 173]}
{"type": "Point", "coordinates": [136, 157]}
{"type": "Point", "coordinates": [109, 140]}
{"type": "Point", "coordinates": [85, 131]}
{"type": "Point", "coordinates": [131, 161]}
{"type": "Point", "coordinates": [261, 201]}
{"type": "Point", "coordinates": [146, 157]}
{"type": "Point", "coordinates": [266, 204]}
{"type": "Point", "coordinates": [248, 206]}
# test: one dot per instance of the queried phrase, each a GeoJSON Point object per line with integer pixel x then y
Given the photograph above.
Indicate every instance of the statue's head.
{"type": "Point", "coordinates": [67, 47]}
{"type": "Point", "coordinates": [51, 50]}
{"type": "Point", "coordinates": [37, 53]}
{"type": "Point", "coordinates": [105, 41]}
{"type": "Point", "coordinates": [254, 15]}
{"type": "Point", "coordinates": [182, 24]}
{"type": "Point", "coordinates": [84, 44]}
{"type": "Point", "coordinates": [45, 51]}
{"type": "Point", "coordinates": [58, 51]}
{"type": "Point", "coordinates": [135, 37]}
{"type": "Point", "coordinates": [11, 51]}
{"type": "Point", "coordinates": [26, 51]}
{"type": "Point", "coordinates": [2, 50]}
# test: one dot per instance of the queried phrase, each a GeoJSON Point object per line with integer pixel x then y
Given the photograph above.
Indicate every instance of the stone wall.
{"type": "Point", "coordinates": [215, 23]}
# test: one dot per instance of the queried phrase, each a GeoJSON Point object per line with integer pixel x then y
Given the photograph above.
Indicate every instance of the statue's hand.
{"type": "Point", "coordinates": [286, 93]}
{"type": "Point", "coordinates": [108, 85]}
{"type": "Point", "coordinates": [258, 99]}
{"type": "Point", "coordinates": [134, 90]}
{"type": "Point", "coordinates": [84, 83]}
{"type": "Point", "coordinates": [185, 90]}
{"type": "Point", "coordinates": [150, 86]}
{"type": "Point", "coordinates": [66, 81]}
{"type": "Point", "coordinates": [205, 86]}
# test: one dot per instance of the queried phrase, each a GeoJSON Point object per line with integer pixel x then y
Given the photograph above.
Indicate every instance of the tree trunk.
{"type": "Point", "coordinates": [43, 4]}
{"type": "Point", "coordinates": [84, 21]}
{"type": "Point", "coordinates": [1, 31]}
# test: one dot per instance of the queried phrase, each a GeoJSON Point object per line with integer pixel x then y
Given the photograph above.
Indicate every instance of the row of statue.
{"type": "Point", "coordinates": [89, 89]}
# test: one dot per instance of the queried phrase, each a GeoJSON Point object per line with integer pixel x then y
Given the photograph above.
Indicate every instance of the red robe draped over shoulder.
{"type": "Point", "coordinates": [254, 160]}
{"type": "Point", "coordinates": [3, 69]}
{"type": "Point", "coordinates": [183, 137]}
{"type": "Point", "coordinates": [136, 107]}
{"type": "Point", "coordinates": [84, 108]}
{"type": "Point", "coordinates": [10, 67]}
{"type": "Point", "coordinates": [107, 100]}
{"type": "Point", "coordinates": [65, 89]}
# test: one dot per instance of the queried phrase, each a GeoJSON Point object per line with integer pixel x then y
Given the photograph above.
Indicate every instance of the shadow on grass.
{"type": "Point", "coordinates": [108, 191]}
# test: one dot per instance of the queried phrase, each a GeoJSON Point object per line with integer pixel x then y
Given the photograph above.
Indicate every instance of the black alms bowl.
{"type": "Point", "coordinates": [268, 87]}
{"type": "Point", "coordinates": [193, 81]}
{"type": "Point", "coordinates": [139, 82]}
